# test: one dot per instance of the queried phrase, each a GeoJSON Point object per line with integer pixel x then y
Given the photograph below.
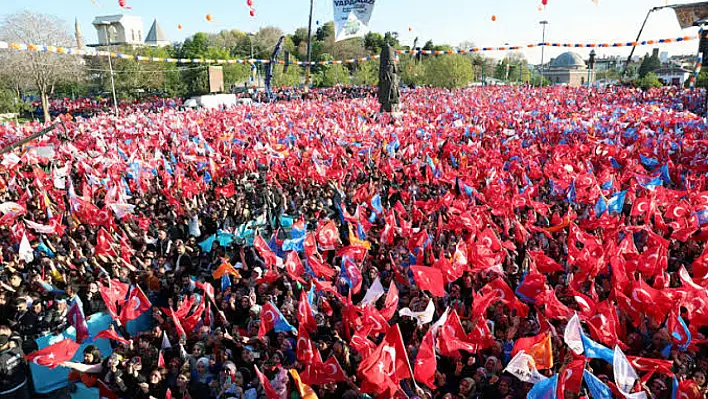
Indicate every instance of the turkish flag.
{"type": "Point", "coordinates": [178, 325]}
{"type": "Point", "coordinates": [191, 321]}
{"type": "Point", "coordinates": [267, 387]}
{"type": "Point", "coordinates": [554, 309]}
{"type": "Point", "coordinates": [265, 252]}
{"type": "Point", "coordinates": [382, 371]}
{"type": "Point", "coordinates": [452, 338]}
{"type": "Point", "coordinates": [320, 268]}
{"type": "Point", "coordinates": [604, 325]}
{"type": "Point", "coordinates": [352, 271]}
{"type": "Point", "coordinates": [328, 372]}
{"type": "Point", "coordinates": [294, 267]}
{"type": "Point", "coordinates": [425, 361]}
{"type": "Point", "coordinates": [532, 286]}
{"type": "Point", "coordinates": [506, 296]}
{"type": "Point", "coordinates": [304, 348]}
{"type": "Point", "coordinates": [103, 244]}
{"type": "Point", "coordinates": [362, 344]}
{"type": "Point", "coordinates": [538, 347]}
{"type": "Point", "coordinates": [570, 378]}
{"type": "Point", "coordinates": [489, 239]}
{"type": "Point", "coordinates": [112, 335]}
{"type": "Point", "coordinates": [54, 355]}
{"type": "Point", "coordinates": [652, 365]}
{"type": "Point", "coordinates": [429, 279]}
{"type": "Point", "coordinates": [391, 303]}
{"type": "Point", "coordinates": [226, 191]}
{"type": "Point", "coordinates": [328, 236]}
{"type": "Point", "coordinates": [304, 313]}
{"type": "Point", "coordinates": [310, 245]}
{"type": "Point", "coordinates": [373, 320]}
{"type": "Point", "coordinates": [136, 305]}
{"type": "Point", "coordinates": [480, 303]}
{"type": "Point", "coordinates": [544, 263]}
{"type": "Point", "coordinates": [126, 249]}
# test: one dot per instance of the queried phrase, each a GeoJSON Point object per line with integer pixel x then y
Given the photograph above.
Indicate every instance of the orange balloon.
{"type": "Point", "coordinates": [494, 18]}
{"type": "Point", "coordinates": [179, 27]}
{"type": "Point", "coordinates": [208, 17]}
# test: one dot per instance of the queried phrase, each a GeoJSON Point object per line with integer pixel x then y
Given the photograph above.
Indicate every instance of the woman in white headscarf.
{"type": "Point", "coordinates": [201, 371]}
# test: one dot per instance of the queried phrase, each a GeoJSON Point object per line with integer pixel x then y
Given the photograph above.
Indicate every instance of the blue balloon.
{"type": "Point", "coordinates": [317, 22]}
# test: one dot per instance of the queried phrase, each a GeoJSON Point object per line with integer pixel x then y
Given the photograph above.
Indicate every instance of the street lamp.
{"type": "Point", "coordinates": [591, 66]}
{"type": "Point", "coordinates": [543, 47]}
{"type": "Point", "coordinates": [105, 25]}
{"type": "Point", "coordinates": [309, 46]}
{"type": "Point", "coordinates": [254, 68]}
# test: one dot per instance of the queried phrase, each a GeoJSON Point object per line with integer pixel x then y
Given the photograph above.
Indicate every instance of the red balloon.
{"type": "Point", "coordinates": [494, 18]}
{"type": "Point", "coordinates": [252, 12]}
{"type": "Point", "coordinates": [544, 2]}
{"type": "Point", "coordinates": [250, 3]}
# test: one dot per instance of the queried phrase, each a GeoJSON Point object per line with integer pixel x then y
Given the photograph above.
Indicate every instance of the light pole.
{"type": "Point", "coordinates": [591, 66]}
{"type": "Point", "coordinates": [543, 47]}
{"type": "Point", "coordinates": [110, 65]}
{"type": "Point", "coordinates": [254, 68]}
{"type": "Point", "coordinates": [309, 46]}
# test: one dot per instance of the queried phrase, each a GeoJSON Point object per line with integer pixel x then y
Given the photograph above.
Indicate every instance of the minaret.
{"type": "Point", "coordinates": [77, 33]}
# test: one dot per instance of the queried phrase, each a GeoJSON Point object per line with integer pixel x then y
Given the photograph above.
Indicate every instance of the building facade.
{"type": "Point", "coordinates": [568, 69]}
{"type": "Point", "coordinates": [119, 29]}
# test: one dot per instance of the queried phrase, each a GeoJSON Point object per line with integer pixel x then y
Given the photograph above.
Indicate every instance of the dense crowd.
{"type": "Point", "coordinates": [491, 242]}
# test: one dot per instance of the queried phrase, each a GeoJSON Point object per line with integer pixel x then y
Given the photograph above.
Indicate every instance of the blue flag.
{"type": "Point", "coordinates": [616, 202]}
{"type": "Point", "coordinates": [296, 244]}
{"type": "Point", "coordinates": [571, 193]}
{"type": "Point", "coordinates": [702, 217]}
{"type": "Point", "coordinates": [649, 163]}
{"type": "Point", "coordinates": [544, 389]}
{"type": "Point", "coordinates": [376, 203]}
{"type": "Point", "coordinates": [597, 388]}
{"type": "Point", "coordinates": [600, 206]}
{"type": "Point", "coordinates": [225, 282]}
{"type": "Point", "coordinates": [593, 350]}
{"type": "Point", "coordinates": [665, 175]}
{"type": "Point", "coordinates": [47, 380]}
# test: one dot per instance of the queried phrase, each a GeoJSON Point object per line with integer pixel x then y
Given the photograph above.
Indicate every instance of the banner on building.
{"type": "Point", "coordinates": [688, 14]}
{"type": "Point", "coordinates": [351, 18]}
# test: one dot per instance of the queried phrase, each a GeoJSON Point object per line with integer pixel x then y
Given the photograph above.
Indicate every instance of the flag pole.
{"type": "Point", "coordinates": [309, 46]}
{"type": "Point", "coordinates": [634, 47]}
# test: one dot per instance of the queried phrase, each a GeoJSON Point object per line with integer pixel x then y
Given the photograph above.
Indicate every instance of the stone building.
{"type": "Point", "coordinates": [568, 69]}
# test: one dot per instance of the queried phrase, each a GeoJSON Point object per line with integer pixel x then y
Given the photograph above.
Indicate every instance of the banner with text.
{"type": "Point", "coordinates": [689, 14]}
{"type": "Point", "coordinates": [351, 18]}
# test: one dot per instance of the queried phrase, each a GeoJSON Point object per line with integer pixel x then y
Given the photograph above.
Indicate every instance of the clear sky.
{"type": "Point", "coordinates": [443, 21]}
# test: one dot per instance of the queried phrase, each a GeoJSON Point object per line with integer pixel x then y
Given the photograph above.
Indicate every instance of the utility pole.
{"type": "Point", "coordinates": [543, 47]}
{"type": "Point", "coordinates": [309, 46]}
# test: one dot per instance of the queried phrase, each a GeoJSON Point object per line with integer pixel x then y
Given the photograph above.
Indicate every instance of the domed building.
{"type": "Point", "coordinates": [568, 68]}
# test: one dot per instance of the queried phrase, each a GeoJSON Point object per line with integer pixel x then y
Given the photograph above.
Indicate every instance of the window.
{"type": "Point", "coordinates": [582, 80]}
{"type": "Point", "coordinates": [558, 79]}
{"type": "Point", "coordinates": [140, 36]}
{"type": "Point", "coordinates": [132, 33]}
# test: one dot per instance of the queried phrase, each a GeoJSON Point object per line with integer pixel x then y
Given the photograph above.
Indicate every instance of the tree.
{"type": "Point", "coordinates": [412, 73]}
{"type": "Point", "coordinates": [648, 81]}
{"type": "Point", "coordinates": [366, 74]}
{"type": "Point", "coordinates": [649, 64]}
{"type": "Point", "coordinates": [300, 36]}
{"type": "Point", "coordinates": [40, 70]}
{"type": "Point", "coordinates": [373, 42]}
{"type": "Point", "coordinates": [291, 78]}
{"type": "Point", "coordinates": [325, 31]}
{"type": "Point", "coordinates": [450, 71]}
{"type": "Point", "coordinates": [264, 41]}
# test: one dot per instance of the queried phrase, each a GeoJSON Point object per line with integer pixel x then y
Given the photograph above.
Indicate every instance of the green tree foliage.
{"type": "Point", "coordinates": [10, 103]}
{"type": "Point", "coordinates": [649, 64]}
{"type": "Point", "coordinates": [450, 71]}
{"type": "Point", "coordinates": [373, 42]}
{"type": "Point", "coordinates": [332, 75]}
{"type": "Point", "coordinates": [412, 72]}
{"type": "Point", "coordinates": [648, 81]}
{"type": "Point", "coordinates": [366, 74]}
{"type": "Point", "coordinates": [291, 78]}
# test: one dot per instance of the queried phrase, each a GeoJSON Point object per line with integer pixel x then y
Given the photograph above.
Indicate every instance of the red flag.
{"type": "Point", "coordinates": [688, 389]}
{"type": "Point", "coordinates": [112, 335]}
{"type": "Point", "coordinates": [168, 394]}
{"type": "Point", "coordinates": [105, 393]}
{"type": "Point", "coordinates": [544, 263]}
{"type": "Point", "coordinates": [425, 362]}
{"type": "Point", "coordinates": [54, 355]}
{"type": "Point", "coordinates": [532, 286]}
{"type": "Point", "coordinates": [481, 303]}
{"type": "Point", "coordinates": [353, 273]}
{"type": "Point", "coordinates": [264, 251]}
{"type": "Point", "coordinates": [136, 305]}
{"type": "Point", "coordinates": [103, 244]}
{"type": "Point", "coordinates": [452, 337]}
{"type": "Point", "coordinates": [178, 325]}
{"type": "Point", "coordinates": [570, 378]}
{"type": "Point", "coordinates": [304, 313]}
{"type": "Point", "coordinates": [538, 347]}
{"type": "Point", "coordinates": [320, 268]}
{"type": "Point", "coordinates": [304, 347]}
{"type": "Point", "coordinates": [294, 267]}
{"type": "Point", "coordinates": [391, 303]}
{"type": "Point", "coordinates": [328, 372]}
{"type": "Point", "coordinates": [270, 392]}
{"type": "Point", "coordinates": [604, 325]}
{"type": "Point", "coordinates": [362, 344]}
{"type": "Point", "coordinates": [455, 269]}
{"type": "Point", "coordinates": [226, 191]}
{"type": "Point", "coordinates": [126, 249]}
{"type": "Point", "coordinates": [430, 279]}
{"type": "Point", "coordinates": [372, 320]}
{"type": "Point", "coordinates": [382, 371]}
{"type": "Point", "coordinates": [328, 236]}
{"type": "Point", "coordinates": [652, 365]}
{"type": "Point", "coordinates": [191, 321]}
{"type": "Point", "coordinates": [554, 309]}
{"type": "Point", "coordinates": [506, 295]}
{"type": "Point", "coordinates": [76, 318]}
{"type": "Point", "coordinates": [310, 245]}
{"type": "Point", "coordinates": [160, 359]}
